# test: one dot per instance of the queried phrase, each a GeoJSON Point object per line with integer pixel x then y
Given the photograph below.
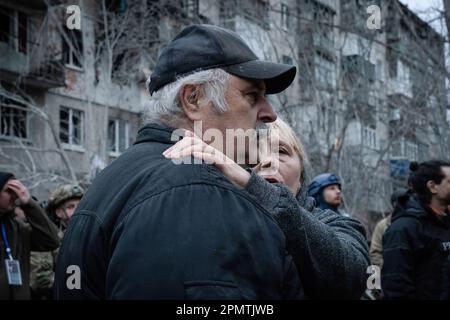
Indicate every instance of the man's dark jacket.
{"type": "Point", "coordinates": [415, 248]}
{"type": "Point", "coordinates": [150, 229]}
{"type": "Point", "coordinates": [446, 291]}
{"type": "Point", "coordinates": [36, 233]}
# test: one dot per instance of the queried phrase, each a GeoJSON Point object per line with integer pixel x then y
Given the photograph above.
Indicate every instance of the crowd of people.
{"type": "Point", "coordinates": [152, 227]}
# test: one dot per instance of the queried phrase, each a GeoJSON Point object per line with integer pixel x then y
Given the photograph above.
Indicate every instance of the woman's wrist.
{"type": "Point", "coordinates": [238, 175]}
{"type": "Point", "coordinates": [244, 177]}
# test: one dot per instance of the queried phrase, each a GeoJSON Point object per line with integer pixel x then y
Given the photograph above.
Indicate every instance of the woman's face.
{"type": "Point", "coordinates": [280, 164]}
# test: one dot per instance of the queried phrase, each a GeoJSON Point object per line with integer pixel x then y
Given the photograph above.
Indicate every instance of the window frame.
{"type": "Point", "coordinates": [369, 137]}
{"type": "Point", "coordinates": [71, 54]}
{"type": "Point", "coordinates": [11, 104]}
{"type": "Point", "coordinates": [116, 152]}
{"type": "Point", "coordinates": [14, 35]}
{"type": "Point", "coordinates": [408, 149]}
{"type": "Point", "coordinates": [70, 145]}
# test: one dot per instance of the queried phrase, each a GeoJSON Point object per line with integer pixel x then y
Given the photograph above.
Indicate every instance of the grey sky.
{"type": "Point", "coordinates": [422, 5]}
{"type": "Point", "coordinates": [428, 11]}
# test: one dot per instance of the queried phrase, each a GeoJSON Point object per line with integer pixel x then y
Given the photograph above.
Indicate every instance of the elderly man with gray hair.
{"type": "Point", "coordinates": [150, 229]}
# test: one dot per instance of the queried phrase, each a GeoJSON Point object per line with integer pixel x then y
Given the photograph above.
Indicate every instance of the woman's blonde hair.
{"type": "Point", "coordinates": [288, 136]}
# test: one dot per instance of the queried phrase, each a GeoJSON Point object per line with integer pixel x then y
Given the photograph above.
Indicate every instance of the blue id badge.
{"type": "Point", "coordinates": [13, 272]}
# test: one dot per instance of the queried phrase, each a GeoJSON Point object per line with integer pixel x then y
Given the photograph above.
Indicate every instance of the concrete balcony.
{"type": "Point", "coordinates": [42, 74]}
{"type": "Point", "coordinates": [11, 60]}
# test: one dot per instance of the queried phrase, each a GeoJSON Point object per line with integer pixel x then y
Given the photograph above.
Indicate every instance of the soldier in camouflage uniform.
{"type": "Point", "coordinates": [61, 206]}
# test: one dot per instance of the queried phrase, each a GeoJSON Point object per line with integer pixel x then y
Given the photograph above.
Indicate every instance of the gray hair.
{"type": "Point", "coordinates": [165, 103]}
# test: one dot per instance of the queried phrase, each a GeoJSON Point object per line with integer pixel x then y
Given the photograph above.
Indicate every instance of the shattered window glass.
{"type": "Point", "coordinates": [77, 132]}
{"type": "Point", "coordinates": [64, 125]}
{"type": "Point", "coordinates": [71, 126]}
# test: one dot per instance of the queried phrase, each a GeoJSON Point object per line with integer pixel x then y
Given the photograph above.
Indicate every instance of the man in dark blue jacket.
{"type": "Point", "coordinates": [416, 246]}
{"type": "Point", "coordinates": [148, 228]}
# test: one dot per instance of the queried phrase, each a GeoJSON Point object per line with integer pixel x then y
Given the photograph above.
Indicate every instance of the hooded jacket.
{"type": "Point", "coordinates": [415, 248]}
{"type": "Point", "coordinates": [150, 229]}
{"type": "Point", "coordinates": [446, 291]}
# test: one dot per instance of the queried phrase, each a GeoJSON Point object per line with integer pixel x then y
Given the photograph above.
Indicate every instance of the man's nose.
{"type": "Point", "coordinates": [266, 113]}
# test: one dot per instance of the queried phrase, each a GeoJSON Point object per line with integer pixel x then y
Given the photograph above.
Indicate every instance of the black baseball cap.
{"type": "Point", "coordinates": [203, 47]}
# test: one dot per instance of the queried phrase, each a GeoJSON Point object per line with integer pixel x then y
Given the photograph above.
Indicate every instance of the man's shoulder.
{"type": "Point", "coordinates": [149, 173]}
{"type": "Point", "coordinates": [146, 160]}
{"type": "Point", "coordinates": [405, 229]}
{"type": "Point", "coordinates": [185, 181]}
{"type": "Point", "coordinates": [405, 223]}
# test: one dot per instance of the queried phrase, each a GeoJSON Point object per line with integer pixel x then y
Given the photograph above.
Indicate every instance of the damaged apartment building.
{"type": "Point", "coordinates": [365, 102]}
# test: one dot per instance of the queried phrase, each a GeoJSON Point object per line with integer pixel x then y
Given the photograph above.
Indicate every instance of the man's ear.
{"type": "Point", "coordinates": [431, 185]}
{"type": "Point", "coordinates": [190, 100]}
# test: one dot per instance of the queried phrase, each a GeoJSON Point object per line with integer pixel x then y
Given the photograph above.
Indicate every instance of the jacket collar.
{"type": "Point", "coordinates": [409, 205]}
{"type": "Point", "coordinates": [437, 212]}
{"type": "Point", "coordinates": [157, 133]}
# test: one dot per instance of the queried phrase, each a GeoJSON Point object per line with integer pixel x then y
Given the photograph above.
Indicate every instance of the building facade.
{"type": "Point", "coordinates": [366, 100]}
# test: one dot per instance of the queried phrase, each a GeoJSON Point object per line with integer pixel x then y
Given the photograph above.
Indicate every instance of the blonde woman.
{"type": "Point", "coordinates": [329, 250]}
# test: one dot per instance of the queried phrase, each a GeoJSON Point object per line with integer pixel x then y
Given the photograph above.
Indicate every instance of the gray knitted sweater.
{"type": "Point", "coordinates": [329, 249]}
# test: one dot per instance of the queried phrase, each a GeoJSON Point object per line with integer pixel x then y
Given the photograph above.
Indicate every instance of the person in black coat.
{"type": "Point", "coordinates": [149, 228]}
{"type": "Point", "coordinates": [446, 292]}
{"type": "Point", "coordinates": [417, 244]}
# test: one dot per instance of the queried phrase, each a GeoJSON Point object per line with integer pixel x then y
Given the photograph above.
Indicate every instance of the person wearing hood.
{"type": "Point", "coordinates": [19, 237]}
{"type": "Point", "coordinates": [326, 189]}
{"type": "Point", "coordinates": [417, 243]}
{"type": "Point", "coordinates": [329, 250]}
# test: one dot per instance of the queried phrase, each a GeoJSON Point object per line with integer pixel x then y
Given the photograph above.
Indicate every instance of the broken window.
{"type": "Point", "coordinates": [14, 29]}
{"type": "Point", "coordinates": [5, 25]}
{"type": "Point", "coordinates": [125, 64]}
{"type": "Point", "coordinates": [71, 126]}
{"type": "Point", "coordinates": [118, 136]}
{"type": "Point", "coordinates": [13, 119]}
{"type": "Point", "coordinates": [22, 32]}
{"type": "Point", "coordinates": [72, 47]}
